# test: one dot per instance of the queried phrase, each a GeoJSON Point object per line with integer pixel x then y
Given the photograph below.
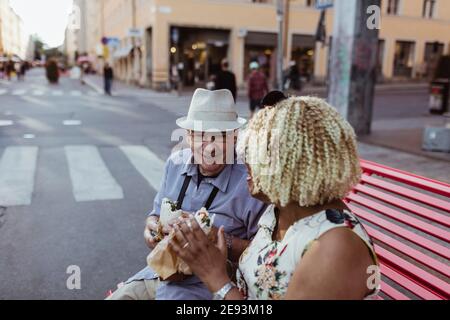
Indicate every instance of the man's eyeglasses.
{"type": "Point", "coordinates": [209, 136]}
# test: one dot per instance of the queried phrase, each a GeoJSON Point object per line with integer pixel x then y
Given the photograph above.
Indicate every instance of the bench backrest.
{"type": "Point", "coordinates": [408, 217]}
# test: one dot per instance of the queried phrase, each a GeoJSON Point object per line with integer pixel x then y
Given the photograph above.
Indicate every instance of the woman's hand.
{"type": "Point", "coordinates": [206, 259]}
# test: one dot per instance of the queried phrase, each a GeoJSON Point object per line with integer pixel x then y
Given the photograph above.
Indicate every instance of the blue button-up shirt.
{"type": "Point", "coordinates": [234, 208]}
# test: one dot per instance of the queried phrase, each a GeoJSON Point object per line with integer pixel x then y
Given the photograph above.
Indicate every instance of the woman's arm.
{"type": "Point", "coordinates": [206, 260]}
{"type": "Point", "coordinates": [334, 268]}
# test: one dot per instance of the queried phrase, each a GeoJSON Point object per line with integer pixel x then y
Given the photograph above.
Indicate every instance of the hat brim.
{"type": "Point", "coordinates": [211, 126]}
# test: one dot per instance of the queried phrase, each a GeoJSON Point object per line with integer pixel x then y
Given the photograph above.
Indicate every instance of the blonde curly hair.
{"type": "Point", "coordinates": [301, 151]}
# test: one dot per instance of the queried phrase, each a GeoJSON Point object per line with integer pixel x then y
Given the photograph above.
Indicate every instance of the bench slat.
{"type": "Point", "coordinates": [407, 178]}
{"type": "Point", "coordinates": [406, 283]}
{"type": "Point", "coordinates": [401, 232]}
{"type": "Point", "coordinates": [392, 293]}
{"type": "Point", "coordinates": [434, 264]}
{"type": "Point", "coordinates": [401, 217]}
{"type": "Point", "coordinates": [405, 205]}
{"type": "Point", "coordinates": [413, 195]}
{"type": "Point", "coordinates": [414, 273]}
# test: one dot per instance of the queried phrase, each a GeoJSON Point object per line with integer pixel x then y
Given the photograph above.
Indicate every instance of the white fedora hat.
{"type": "Point", "coordinates": [212, 111]}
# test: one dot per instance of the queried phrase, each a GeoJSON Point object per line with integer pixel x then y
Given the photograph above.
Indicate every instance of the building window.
{"type": "Point", "coordinates": [404, 59]}
{"type": "Point", "coordinates": [393, 7]}
{"type": "Point", "coordinates": [310, 3]}
{"type": "Point", "coordinates": [429, 7]}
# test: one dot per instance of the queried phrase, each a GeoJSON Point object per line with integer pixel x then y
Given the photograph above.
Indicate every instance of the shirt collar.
{"type": "Point", "coordinates": [221, 181]}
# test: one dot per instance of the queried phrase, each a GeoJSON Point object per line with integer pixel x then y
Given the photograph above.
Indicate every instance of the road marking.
{"type": "Point", "coordinates": [18, 92]}
{"type": "Point", "coordinates": [29, 136]}
{"type": "Point", "coordinates": [38, 93]}
{"type": "Point", "coordinates": [75, 93]}
{"type": "Point", "coordinates": [35, 124]}
{"type": "Point", "coordinates": [6, 123]}
{"type": "Point", "coordinates": [36, 101]}
{"type": "Point", "coordinates": [3, 91]}
{"type": "Point", "coordinates": [57, 93]}
{"type": "Point", "coordinates": [72, 122]}
{"type": "Point", "coordinates": [17, 174]}
{"type": "Point", "coordinates": [91, 179]}
{"type": "Point", "coordinates": [148, 164]}
{"type": "Point", "coordinates": [93, 93]}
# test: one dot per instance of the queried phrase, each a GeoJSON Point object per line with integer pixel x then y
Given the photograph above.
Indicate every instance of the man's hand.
{"type": "Point", "coordinates": [152, 229]}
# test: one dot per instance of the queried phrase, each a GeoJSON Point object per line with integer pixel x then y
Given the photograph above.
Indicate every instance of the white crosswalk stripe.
{"type": "Point", "coordinates": [91, 179]}
{"type": "Point", "coordinates": [45, 92]}
{"type": "Point", "coordinates": [19, 92]}
{"type": "Point", "coordinates": [148, 164]}
{"type": "Point", "coordinates": [38, 93]}
{"type": "Point", "coordinates": [89, 175]}
{"type": "Point", "coordinates": [17, 173]}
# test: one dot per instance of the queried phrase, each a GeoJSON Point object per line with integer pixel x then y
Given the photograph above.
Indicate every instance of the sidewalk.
{"type": "Point", "coordinates": [393, 142]}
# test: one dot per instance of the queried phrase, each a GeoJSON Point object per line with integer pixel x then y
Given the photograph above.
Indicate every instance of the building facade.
{"type": "Point", "coordinates": [13, 40]}
{"type": "Point", "coordinates": [84, 32]}
{"type": "Point", "coordinates": [156, 40]}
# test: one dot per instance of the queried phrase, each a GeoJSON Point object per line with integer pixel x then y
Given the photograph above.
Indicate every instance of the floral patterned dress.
{"type": "Point", "coordinates": [266, 266]}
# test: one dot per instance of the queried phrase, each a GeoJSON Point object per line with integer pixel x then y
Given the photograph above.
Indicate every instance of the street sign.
{"type": "Point", "coordinates": [324, 4]}
{"type": "Point", "coordinates": [175, 35]}
{"type": "Point", "coordinates": [135, 33]}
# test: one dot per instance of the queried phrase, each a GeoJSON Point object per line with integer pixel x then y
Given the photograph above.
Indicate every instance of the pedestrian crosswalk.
{"type": "Point", "coordinates": [49, 93]}
{"type": "Point", "coordinates": [88, 172]}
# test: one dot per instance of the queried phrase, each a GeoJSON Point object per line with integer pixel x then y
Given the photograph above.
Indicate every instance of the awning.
{"type": "Point", "coordinates": [122, 52]}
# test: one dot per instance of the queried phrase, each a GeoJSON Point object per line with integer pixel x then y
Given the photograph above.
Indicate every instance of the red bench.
{"type": "Point", "coordinates": [408, 218]}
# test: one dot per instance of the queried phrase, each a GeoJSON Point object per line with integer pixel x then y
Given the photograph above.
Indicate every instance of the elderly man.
{"type": "Point", "coordinates": [203, 175]}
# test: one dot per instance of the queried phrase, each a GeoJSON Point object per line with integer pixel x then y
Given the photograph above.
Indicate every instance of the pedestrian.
{"type": "Point", "coordinates": [226, 79]}
{"type": "Point", "coordinates": [257, 87]}
{"type": "Point", "coordinates": [9, 69]}
{"type": "Point", "coordinates": [294, 76]}
{"type": "Point", "coordinates": [291, 77]}
{"type": "Point", "coordinates": [108, 75]}
{"type": "Point", "coordinates": [202, 175]}
{"type": "Point", "coordinates": [307, 231]}
{"type": "Point", "coordinates": [22, 71]}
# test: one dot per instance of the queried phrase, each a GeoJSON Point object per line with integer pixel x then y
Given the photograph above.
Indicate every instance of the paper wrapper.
{"type": "Point", "coordinates": [168, 212]}
{"type": "Point", "coordinates": [165, 262]}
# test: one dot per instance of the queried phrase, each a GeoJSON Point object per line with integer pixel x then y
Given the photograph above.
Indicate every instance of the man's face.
{"type": "Point", "coordinates": [211, 149]}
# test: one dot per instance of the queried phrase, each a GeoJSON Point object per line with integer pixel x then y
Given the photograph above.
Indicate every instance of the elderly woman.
{"type": "Point", "coordinates": [302, 160]}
